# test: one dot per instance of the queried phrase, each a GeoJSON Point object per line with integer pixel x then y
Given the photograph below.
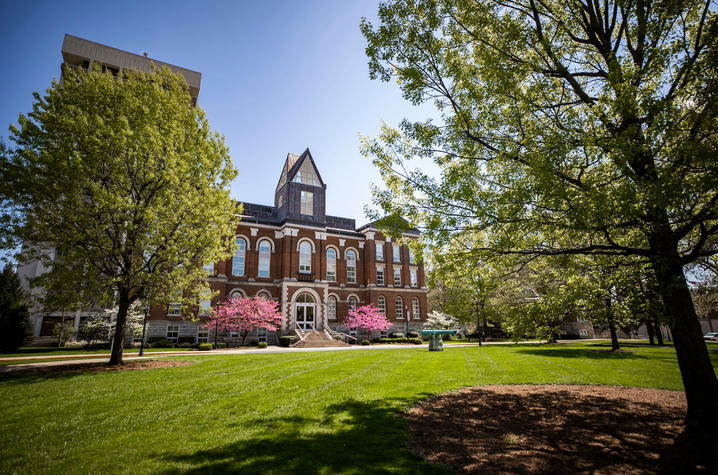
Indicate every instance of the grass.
{"type": "Point", "coordinates": [323, 412]}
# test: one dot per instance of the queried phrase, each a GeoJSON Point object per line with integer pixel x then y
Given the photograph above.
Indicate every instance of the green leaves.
{"type": "Point", "coordinates": [126, 182]}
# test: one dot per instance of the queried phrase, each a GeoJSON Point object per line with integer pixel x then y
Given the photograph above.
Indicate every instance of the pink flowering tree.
{"type": "Point", "coordinates": [369, 318]}
{"type": "Point", "coordinates": [244, 314]}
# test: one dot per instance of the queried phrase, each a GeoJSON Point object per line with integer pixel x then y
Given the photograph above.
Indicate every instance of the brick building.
{"type": "Point", "coordinates": [316, 266]}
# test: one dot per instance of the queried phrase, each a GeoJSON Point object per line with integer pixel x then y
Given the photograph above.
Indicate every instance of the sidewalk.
{"type": "Point", "coordinates": [104, 357]}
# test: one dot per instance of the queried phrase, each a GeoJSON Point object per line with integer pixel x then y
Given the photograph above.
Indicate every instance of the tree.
{"type": "Point", "coordinates": [575, 128]}
{"type": "Point", "coordinates": [15, 326]}
{"type": "Point", "coordinates": [245, 314]}
{"type": "Point", "coordinates": [440, 321]}
{"type": "Point", "coordinates": [101, 326]}
{"type": "Point", "coordinates": [127, 182]}
{"type": "Point", "coordinates": [369, 318]}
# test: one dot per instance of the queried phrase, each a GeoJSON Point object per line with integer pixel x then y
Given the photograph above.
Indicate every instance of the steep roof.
{"type": "Point", "coordinates": [302, 165]}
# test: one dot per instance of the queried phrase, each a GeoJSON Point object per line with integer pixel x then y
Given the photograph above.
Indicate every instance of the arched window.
{"type": "Point", "coordinates": [351, 267]}
{"type": "Point", "coordinates": [236, 294]}
{"type": "Point", "coordinates": [381, 302]}
{"type": "Point", "coordinates": [264, 295]}
{"type": "Point", "coordinates": [399, 308]}
{"type": "Point", "coordinates": [240, 249]}
{"type": "Point", "coordinates": [352, 303]}
{"type": "Point", "coordinates": [265, 252]}
{"type": "Point", "coordinates": [415, 307]}
{"type": "Point", "coordinates": [331, 265]}
{"type": "Point", "coordinates": [331, 308]}
{"type": "Point", "coordinates": [305, 257]}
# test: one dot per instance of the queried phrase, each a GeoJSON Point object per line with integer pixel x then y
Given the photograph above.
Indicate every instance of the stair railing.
{"type": "Point", "coordinates": [344, 337]}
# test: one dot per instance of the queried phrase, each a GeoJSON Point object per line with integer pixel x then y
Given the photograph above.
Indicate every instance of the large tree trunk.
{"type": "Point", "coordinates": [699, 378]}
{"type": "Point", "coordinates": [118, 341]}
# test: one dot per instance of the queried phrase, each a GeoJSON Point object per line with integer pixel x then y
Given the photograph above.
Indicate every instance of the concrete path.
{"type": "Point", "coordinates": [100, 357]}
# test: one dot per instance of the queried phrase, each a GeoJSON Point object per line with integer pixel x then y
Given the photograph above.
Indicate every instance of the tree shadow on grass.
{"type": "Point", "coordinates": [584, 353]}
{"type": "Point", "coordinates": [350, 437]}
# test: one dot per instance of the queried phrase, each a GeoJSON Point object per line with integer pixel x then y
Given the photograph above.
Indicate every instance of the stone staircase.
{"type": "Point", "coordinates": [317, 339]}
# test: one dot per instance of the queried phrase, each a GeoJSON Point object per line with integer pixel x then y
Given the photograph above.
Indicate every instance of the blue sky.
{"type": "Point", "coordinates": [277, 77]}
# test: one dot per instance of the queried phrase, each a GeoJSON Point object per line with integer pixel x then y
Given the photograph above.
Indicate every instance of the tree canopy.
{"type": "Point", "coordinates": [567, 127]}
{"type": "Point", "coordinates": [121, 187]}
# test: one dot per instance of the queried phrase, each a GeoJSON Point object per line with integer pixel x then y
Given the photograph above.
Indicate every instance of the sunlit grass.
{"type": "Point", "coordinates": [323, 412]}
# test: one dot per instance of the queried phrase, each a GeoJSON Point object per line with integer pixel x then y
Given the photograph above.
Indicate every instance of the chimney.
{"type": "Point", "coordinates": [145, 54]}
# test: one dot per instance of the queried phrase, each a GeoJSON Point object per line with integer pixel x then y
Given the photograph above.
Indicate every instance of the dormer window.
{"type": "Point", "coordinates": [307, 203]}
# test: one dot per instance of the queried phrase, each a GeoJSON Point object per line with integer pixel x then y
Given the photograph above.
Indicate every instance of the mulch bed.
{"type": "Point", "coordinates": [135, 365]}
{"type": "Point", "coordinates": [560, 429]}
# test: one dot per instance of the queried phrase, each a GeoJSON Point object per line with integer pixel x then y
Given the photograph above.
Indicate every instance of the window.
{"type": "Point", "coordinates": [352, 303]}
{"type": "Point", "coordinates": [332, 308]}
{"type": "Point", "coordinates": [395, 253]}
{"type": "Point", "coordinates": [203, 335]}
{"type": "Point", "coordinates": [399, 308]}
{"type": "Point", "coordinates": [280, 201]}
{"type": "Point", "coordinates": [351, 267]}
{"type": "Point", "coordinates": [236, 294]}
{"type": "Point", "coordinates": [412, 257]}
{"type": "Point", "coordinates": [383, 334]}
{"type": "Point", "coordinates": [209, 268]}
{"type": "Point", "coordinates": [175, 308]}
{"type": "Point", "coordinates": [379, 276]}
{"type": "Point", "coordinates": [307, 203]}
{"type": "Point", "coordinates": [265, 252]}
{"type": "Point", "coordinates": [264, 295]}
{"type": "Point", "coordinates": [414, 281]}
{"type": "Point", "coordinates": [305, 257]}
{"type": "Point", "coordinates": [416, 309]}
{"type": "Point", "coordinates": [331, 265]}
{"type": "Point", "coordinates": [204, 306]}
{"type": "Point", "coordinates": [583, 332]}
{"type": "Point", "coordinates": [306, 175]}
{"type": "Point", "coordinates": [397, 277]}
{"type": "Point", "coordinates": [238, 259]}
{"type": "Point", "coordinates": [380, 251]}
{"type": "Point", "coordinates": [172, 332]}
{"type": "Point", "coordinates": [262, 334]}
{"type": "Point", "coordinates": [381, 304]}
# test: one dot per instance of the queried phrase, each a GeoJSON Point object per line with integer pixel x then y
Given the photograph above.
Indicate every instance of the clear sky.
{"type": "Point", "coordinates": [277, 77]}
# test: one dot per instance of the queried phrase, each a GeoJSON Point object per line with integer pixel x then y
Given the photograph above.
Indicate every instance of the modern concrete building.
{"type": "Point", "coordinates": [81, 53]}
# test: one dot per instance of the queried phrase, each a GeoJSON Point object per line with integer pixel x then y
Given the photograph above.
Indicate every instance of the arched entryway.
{"type": "Point", "coordinates": [305, 312]}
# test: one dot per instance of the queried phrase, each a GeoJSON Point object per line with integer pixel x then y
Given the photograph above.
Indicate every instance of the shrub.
{"type": "Point", "coordinates": [205, 346]}
{"type": "Point", "coordinates": [287, 340]}
{"type": "Point", "coordinates": [415, 341]}
{"type": "Point", "coordinates": [262, 344]}
{"type": "Point", "coordinates": [396, 335]}
{"type": "Point", "coordinates": [412, 335]}
{"type": "Point", "coordinates": [160, 342]}
{"type": "Point", "coordinates": [185, 339]}
{"type": "Point", "coordinates": [221, 345]}
{"type": "Point", "coordinates": [365, 342]}
{"type": "Point", "coordinates": [184, 344]}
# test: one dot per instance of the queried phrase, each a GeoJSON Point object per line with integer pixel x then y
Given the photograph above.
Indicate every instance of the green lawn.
{"type": "Point", "coordinates": [323, 412]}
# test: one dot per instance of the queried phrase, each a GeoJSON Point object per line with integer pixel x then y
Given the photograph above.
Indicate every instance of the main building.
{"type": "Point", "coordinates": [316, 266]}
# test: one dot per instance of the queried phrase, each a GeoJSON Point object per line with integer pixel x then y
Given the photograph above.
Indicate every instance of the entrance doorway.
{"type": "Point", "coordinates": [305, 312]}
